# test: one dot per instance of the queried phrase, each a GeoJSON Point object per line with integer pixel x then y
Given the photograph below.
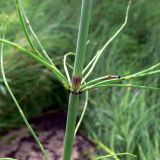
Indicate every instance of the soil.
{"type": "Point", "coordinates": [50, 129]}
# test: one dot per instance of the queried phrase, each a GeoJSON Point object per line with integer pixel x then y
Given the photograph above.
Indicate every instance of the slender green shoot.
{"type": "Point", "coordinates": [103, 80]}
{"type": "Point", "coordinates": [65, 65]}
{"type": "Point", "coordinates": [17, 104]}
{"type": "Point", "coordinates": [121, 85]}
{"type": "Point", "coordinates": [148, 69]}
{"type": "Point", "coordinates": [70, 66]}
{"type": "Point", "coordinates": [142, 74]}
{"type": "Point", "coordinates": [82, 38]}
{"type": "Point", "coordinates": [118, 31]}
{"type": "Point", "coordinates": [119, 154]}
{"type": "Point", "coordinates": [92, 67]}
{"type": "Point", "coordinates": [34, 35]}
{"type": "Point", "coordinates": [24, 27]}
{"type": "Point", "coordinates": [26, 20]}
{"type": "Point", "coordinates": [76, 78]}
{"type": "Point", "coordinates": [83, 113]}
{"type": "Point", "coordinates": [90, 63]}
{"type": "Point", "coordinates": [57, 73]}
{"type": "Point", "coordinates": [100, 52]}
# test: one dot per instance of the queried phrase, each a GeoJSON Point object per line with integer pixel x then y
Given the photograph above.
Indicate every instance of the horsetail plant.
{"type": "Point", "coordinates": [77, 83]}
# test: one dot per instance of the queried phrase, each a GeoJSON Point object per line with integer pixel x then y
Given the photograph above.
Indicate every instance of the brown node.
{"type": "Point", "coordinates": [112, 77]}
{"type": "Point", "coordinates": [76, 82]}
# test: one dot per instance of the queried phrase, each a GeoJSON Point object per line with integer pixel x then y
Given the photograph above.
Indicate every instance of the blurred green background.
{"type": "Point", "coordinates": [125, 120]}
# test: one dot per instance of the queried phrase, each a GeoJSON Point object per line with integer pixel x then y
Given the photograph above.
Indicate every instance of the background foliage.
{"type": "Point", "coordinates": [123, 119]}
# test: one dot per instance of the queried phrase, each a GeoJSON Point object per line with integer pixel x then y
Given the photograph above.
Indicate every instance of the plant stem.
{"type": "Point", "coordinates": [76, 78]}
{"type": "Point", "coordinates": [70, 126]}
{"type": "Point", "coordinates": [81, 42]}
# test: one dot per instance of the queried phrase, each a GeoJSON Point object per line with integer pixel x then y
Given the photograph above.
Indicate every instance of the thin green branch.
{"type": "Point", "coordinates": [56, 72]}
{"type": "Point", "coordinates": [92, 67]}
{"type": "Point", "coordinates": [82, 37]}
{"type": "Point", "coordinates": [18, 106]}
{"type": "Point", "coordinates": [100, 52]}
{"type": "Point", "coordinates": [90, 63]}
{"type": "Point", "coordinates": [141, 74]}
{"type": "Point", "coordinates": [65, 65]}
{"type": "Point", "coordinates": [148, 69]}
{"type": "Point", "coordinates": [24, 27]}
{"type": "Point", "coordinates": [83, 112]}
{"type": "Point", "coordinates": [26, 20]}
{"type": "Point", "coordinates": [118, 31]}
{"type": "Point", "coordinates": [102, 81]}
{"type": "Point", "coordinates": [70, 66]}
{"type": "Point", "coordinates": [121, 85]}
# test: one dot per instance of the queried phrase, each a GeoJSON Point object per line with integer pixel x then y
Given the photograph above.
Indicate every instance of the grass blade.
{"type": "Point", "coordinates": [107, 149]}
{"type": "Point", "coordinates": [119, 154]}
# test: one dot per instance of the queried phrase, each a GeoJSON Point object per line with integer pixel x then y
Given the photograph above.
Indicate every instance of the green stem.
{"type": "Point", "coordinates": [70, 126]}
{"type": "Point", "coordinates": [76, 78]}
{"type": "Point", "coordinates": [82, 40]}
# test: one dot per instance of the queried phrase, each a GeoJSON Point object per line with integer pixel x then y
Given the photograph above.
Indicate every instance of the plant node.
{"type": "Point", "coordinates": [76, 82]}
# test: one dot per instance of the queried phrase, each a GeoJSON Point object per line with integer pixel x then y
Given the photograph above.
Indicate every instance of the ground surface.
{"type": "Point", "coordinates": [50, 129]}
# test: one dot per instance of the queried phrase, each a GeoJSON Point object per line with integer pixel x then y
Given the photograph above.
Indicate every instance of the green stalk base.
{"type": "Point", "coordinates": [70, 126]}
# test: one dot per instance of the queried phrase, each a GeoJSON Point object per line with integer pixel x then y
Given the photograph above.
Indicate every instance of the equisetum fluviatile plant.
{"type": "Point", "coordinates": [77, 83]}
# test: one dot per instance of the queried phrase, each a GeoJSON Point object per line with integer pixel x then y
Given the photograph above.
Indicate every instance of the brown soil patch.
{"type": "Point", "coordinates": [19, 143]}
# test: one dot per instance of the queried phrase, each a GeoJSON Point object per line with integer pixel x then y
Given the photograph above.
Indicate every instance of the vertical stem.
{"type": "Point", "coordinates": [81, 42]}
{"type": "Point", "coordinates": [76, 78]}
{"type": "Point", "coordinates": [70, 127]}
